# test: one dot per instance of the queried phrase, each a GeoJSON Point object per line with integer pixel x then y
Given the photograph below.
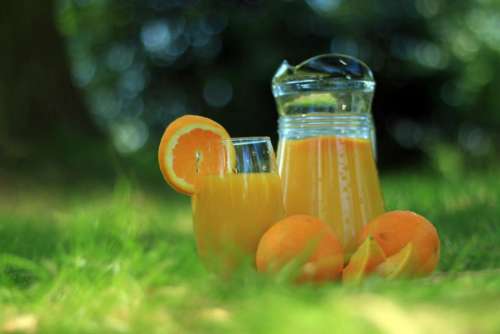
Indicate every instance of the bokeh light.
{"type": "Point", "coordinates": [129, 135]}
{"type": "Point", "coordinates": [217, 92]}
{"type": "Point", "coordinates": [153, 61]}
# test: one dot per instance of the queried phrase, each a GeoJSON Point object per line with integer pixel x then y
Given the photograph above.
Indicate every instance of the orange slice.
{"type": "Point", "coordinates": [191, 145]}
{"type": "Point", "coordinates": [368, 256]}
{"type": "Point", "coordinates": [401, 265]}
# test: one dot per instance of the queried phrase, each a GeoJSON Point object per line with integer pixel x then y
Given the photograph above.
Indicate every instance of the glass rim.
{"type": "Point", "coordinates": [248, 140]}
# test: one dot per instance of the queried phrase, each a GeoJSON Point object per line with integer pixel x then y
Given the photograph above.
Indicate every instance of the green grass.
{"type": "Point", "coordinates": [97, 260]}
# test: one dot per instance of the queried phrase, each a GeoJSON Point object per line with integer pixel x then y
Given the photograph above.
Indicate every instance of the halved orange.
{"type": "Point", "coordinates": [191, 145]}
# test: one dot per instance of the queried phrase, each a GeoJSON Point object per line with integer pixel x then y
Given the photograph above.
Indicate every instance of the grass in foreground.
{"type": "Point", "coordinates": [124, 261]}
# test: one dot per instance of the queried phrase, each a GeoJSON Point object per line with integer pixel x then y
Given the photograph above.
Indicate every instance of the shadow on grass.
{"type": "Point", "coordinates": [32, 238]}
{"type": "Point", "coordinates": [24, 242]}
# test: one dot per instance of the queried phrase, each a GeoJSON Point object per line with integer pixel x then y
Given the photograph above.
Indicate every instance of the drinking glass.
{"type": "Point", "coordinates": [233, 206]}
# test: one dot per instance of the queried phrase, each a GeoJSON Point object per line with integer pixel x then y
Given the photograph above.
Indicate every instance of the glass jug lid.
{"type": "Point", "coordinates": [325, 83]}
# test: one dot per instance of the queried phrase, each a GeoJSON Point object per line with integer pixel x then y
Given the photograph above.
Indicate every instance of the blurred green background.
{"type": "Point", "coordinates": [87, 76]}
{"type": "Point", "coordinates": [93, 241]}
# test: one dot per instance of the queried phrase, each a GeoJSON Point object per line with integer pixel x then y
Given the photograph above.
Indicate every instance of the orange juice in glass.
{"type": "Point", "coordinates": [326, 156]}
{"type": "Point", "coordinates": [235, 206]}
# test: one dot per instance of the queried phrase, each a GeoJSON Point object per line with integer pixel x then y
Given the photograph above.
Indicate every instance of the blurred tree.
{"type": "Point", "coordinates": [37, 97]}
{"type": "Point", "coordinates": [143, 63]}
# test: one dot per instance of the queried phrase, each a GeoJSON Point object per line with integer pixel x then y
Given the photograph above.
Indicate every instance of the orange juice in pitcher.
{"type": "Point", "coordinates": [326, 152]}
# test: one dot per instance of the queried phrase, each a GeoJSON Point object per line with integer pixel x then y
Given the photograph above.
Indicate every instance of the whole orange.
{"type": "Point", "coordinates": [304, 241]}
{"type": "Point", "coordinates": [395, 229]}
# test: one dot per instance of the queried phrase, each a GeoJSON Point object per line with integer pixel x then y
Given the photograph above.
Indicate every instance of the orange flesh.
{"type": "Point", "coordinates": [188, 145]}
{"type": "Point", "coordinates": [333, 178]}
{"type": "Point", "coordinates": [231, 213]}
{"type": "Point", "coordinates": [197, 148]}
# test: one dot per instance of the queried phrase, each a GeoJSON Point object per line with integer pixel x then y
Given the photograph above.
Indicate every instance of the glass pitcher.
{"type": "Point", "coordinates": [326, 150]}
